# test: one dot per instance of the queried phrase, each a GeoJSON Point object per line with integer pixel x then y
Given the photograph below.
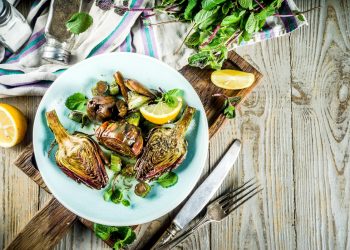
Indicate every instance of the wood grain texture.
{"type": "Point", "coordinates": [295, 134]}
{"type": "Point", "coordinates": [321, 126]}
{"type": "Point", "coordinates": [45, 229]}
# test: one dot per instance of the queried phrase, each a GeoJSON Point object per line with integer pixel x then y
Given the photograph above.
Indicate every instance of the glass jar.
{"type": "Point", "coordinates": [14, 29]}
{"type": "Point", "coordinates": [59, 41]}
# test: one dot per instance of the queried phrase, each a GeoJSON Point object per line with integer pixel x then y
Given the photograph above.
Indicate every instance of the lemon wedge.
{"type": "Point", "coordinates": [232, 79]}
{"type": "Point", "coordinates": [13, 125]}
{"type": "Point", "coordinates": [161, 112]}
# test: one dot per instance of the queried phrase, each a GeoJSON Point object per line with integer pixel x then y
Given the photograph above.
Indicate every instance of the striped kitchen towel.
{"type": "Point", "coordinates": [25, 73]}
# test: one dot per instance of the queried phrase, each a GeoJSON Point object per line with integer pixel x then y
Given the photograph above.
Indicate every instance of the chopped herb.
{"type": "Point", "coordinates": [117, 196]}
{"type": "Point", "coordinates": [126, 203]}
{"type": "Point", "coordinates": [120, 236]}
{"type": "Point", "coordinates": [116, 163]}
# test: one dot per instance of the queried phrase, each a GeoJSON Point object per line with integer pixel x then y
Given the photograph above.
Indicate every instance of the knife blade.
{"type": "Point", "coordinates": [200, 198]}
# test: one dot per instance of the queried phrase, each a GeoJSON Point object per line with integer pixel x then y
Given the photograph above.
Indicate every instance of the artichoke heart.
{"type": "Point", "coordinates": [166, 148]}
{"type": "Point", "coordinates": [78, 156]}
{"type": "Point", "coordinates": [121, 137]}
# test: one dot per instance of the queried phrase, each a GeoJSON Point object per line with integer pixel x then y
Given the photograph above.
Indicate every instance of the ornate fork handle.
{"type": "Point", "coordinates": [174, 242]}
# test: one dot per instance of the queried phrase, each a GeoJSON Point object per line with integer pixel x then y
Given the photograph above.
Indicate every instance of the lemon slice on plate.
{"type": "Point", "coordinates": [232, 79]}
{"type": "Point", "coordinates": [13, 125]}
{"type": "Point", "coordinates": [161, 112]}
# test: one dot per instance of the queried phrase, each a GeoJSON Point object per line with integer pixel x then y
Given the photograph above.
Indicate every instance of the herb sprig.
{"type": "Point", "coordinates": [170, 97]}
{"type": "Point", "coordinates": [229, 106]}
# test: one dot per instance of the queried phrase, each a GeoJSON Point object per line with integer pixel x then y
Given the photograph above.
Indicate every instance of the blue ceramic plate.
{"type": "Point", "coordinates": [89, 203]}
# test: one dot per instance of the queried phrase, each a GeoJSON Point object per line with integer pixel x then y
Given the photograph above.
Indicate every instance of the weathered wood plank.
{"type": "Point", "coordinates": [264, 126]}
{"type": "Point", "coordinates": [18, 193]}
{"type": "Point", "coordinates": [321, 123]}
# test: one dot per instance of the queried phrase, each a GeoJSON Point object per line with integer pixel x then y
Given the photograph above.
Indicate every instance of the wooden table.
{"type": "Point", "coordinates": [295, 130]}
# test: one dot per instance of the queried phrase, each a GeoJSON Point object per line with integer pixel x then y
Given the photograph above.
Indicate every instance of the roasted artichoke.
{"type": "Point", "coordinates": [78, 155]}
{"type": "Point", "coordinates": [121, 137]}
{"type": "Point", "coordinates": [166, 148]}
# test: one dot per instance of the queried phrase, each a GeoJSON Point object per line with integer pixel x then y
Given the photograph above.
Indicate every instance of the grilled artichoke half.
{"type": "Point", "coordinates": [121, 137]}
{"type": "Point", "coordinates": [166, 148]}
{"type": "Point", "coordinates": [78, 155]}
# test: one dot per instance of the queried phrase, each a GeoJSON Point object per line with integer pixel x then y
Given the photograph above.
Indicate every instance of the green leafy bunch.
{"type": "Point", "coordinates": [216, 24]}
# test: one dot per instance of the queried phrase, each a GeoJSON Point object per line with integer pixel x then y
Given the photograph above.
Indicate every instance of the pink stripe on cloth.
{"type": "Point", "coordinates": [144, 39]}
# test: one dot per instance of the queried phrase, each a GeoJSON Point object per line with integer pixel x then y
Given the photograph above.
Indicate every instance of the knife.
{"type": "Point", "coordinates": [200, 198]}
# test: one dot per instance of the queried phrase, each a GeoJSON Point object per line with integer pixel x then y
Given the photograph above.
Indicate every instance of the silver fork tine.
{"type": "Point", "coordinates": [236, 198]}
{"type": "Point", "coordinates": [232, 207]}
{"type": "Point", "coordinates": [223, 197]}
{"type": "Point", "coordinates": [235, 194]}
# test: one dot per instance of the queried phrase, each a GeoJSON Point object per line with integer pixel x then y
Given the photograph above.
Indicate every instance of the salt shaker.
{"type": "Point", "coordinates": [59, 41]}
{"type": "Point", "coordinates": [14, 29]}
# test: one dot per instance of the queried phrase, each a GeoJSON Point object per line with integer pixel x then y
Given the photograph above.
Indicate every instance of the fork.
{"type": "Point", "coordinates": [220, 208]}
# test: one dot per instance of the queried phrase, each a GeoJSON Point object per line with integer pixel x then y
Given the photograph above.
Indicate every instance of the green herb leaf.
{"type": "Point", "coordinates": [171, 96]}
{"type": "Point", "coordinates": [79, 22]}
{"type": "Point", "coordinates": [301, 17]}
{"type": "Point", "coordinates": [107, 194]}
{"type": "Point", "coordinates": [229, 112]}
{"type": "Point", "coordinates": [117, 196]}
{"type": "Point", "coordinates": [123, 236]}
{"type": "Point", "coordinates": [76, 101]}
{"type": "Point", "coordinates": [226, 7]}
{"type": "Point", "coordinates": [102, 231]}
{"type": "Point", "coordinates": [247, 4]}
{"type": "Point", "coordinates": [250, 24]}
{"type": "Point", "coordinates": [210, 4]}
{"type": "Point", "coordinates": [193, 40]}
{"type": "Point", "coordinates": [204, 18]}
{"type": "Point", "coordinates": [232, 19]}
{"type": "Point", "coordinates": [168, 179]}
{"type": "Point", "coordinates": [126, 203]}
{"type": "Point", "coordinates": [188, 14]}
{"type": "Point", "coordinates": [116, 163]}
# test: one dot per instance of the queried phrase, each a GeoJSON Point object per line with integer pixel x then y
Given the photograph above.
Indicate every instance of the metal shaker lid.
{"type": "Point", "coordinates": [55, 52]}
{"type": "Point", "coordinates": [5, 10]}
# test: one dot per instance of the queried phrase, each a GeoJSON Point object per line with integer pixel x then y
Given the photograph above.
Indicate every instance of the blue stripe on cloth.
{"type": "Point", "coordinates": [33, 43]}
{"type": "Point", "coordinates": [10, 72]}
{"type": "Point", "coordinates": [149, 41]}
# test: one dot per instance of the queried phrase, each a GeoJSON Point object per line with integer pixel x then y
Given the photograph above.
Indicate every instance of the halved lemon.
{"type": "Point", "coordinates": [161, 112]}
{"type": "Point", "coordinates": [232, 79]}
{"type": "Point", "coordinates": [13, 125]}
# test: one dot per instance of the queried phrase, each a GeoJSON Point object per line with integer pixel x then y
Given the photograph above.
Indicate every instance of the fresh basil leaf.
{"type": "Point", "coordinates": [168, 179]}
{"type": "Point", "coordinates": [199, 59]}
{"type": "Point", "coordinates": [77, 101]}
{"type": "Point", "coordinates": [175, 92]}
{"type": "Point", "coordinates": [204, 18]}
{"type": "Point", "coordinates": [102, 231]}
{"type": "Point", "coordinates": [246, 36]}
{"type": "Point", "coordinates": [232, 19]}
{"type": "Point", "coordinates": [247, 4]}
{"type": "Point", "coordinates": [265, 13]}
{"type": "Point", "coordinates": [210, 4]}
{"type": "Point", "coordinates": [188, 13]}
{"type": "Point", "coordinates": [193, 40]}
{"type": "Point", "coordinates": [79, 22]}
{"type": "Point", "coordinates": [250, 24]}
{"type": "Point", "coordinates": [122, 236]}
{"type": "Point", "coordinates": [226, 7]}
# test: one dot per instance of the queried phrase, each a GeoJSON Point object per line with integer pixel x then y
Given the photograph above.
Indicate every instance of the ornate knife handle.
{"type": "Point", "coordinates": [171, 231]}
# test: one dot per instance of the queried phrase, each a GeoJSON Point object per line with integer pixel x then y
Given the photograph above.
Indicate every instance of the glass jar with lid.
{"type": "Point", "coordinates": [14, 29]}
{"type": "Point", "coordinates": [59, 41]}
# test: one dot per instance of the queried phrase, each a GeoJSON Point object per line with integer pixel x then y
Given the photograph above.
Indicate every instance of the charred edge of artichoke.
{"type": "Point", "coordinates": [185, 120]}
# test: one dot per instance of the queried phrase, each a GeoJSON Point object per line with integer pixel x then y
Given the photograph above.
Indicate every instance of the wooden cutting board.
{"type": "Point", "coordinates": [52, 222]}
